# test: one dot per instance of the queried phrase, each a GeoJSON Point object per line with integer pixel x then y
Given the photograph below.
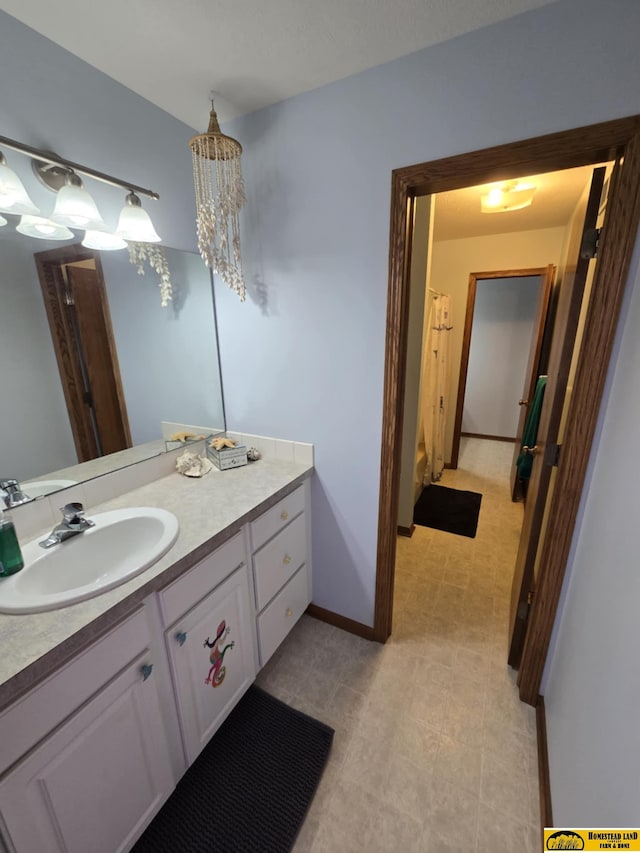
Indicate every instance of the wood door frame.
{"type": "Point", "coordinates": [466, 341]}
{"type": "Point", "coordinates": [578, 147]}
{"type": "Point", "coordinates": [49, 265]}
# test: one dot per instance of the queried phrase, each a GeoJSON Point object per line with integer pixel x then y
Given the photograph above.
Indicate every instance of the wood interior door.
{"type": "Point", "coordinates": [87, 362]}
{"type": "Point", "coordinates": [533, 369]}
{"type": "Point", "coordinates": [97, 351]}
{"type": "Point", "coordinates": [562, 346]}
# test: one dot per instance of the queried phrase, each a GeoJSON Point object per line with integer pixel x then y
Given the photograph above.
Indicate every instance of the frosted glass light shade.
{"type": "Point", "coordinates": [103, 241]}
{"type": "Point", "coordinates": [76, 209]}
{"type": "Point", "coordinates": [43, 229]}
{"type": "Point", "coordinates": [3, 221]}
{"type": "Point", "coordinates": [13, 196]}
{"type": "Point", "coordinates": [509, 197]}
{"type": "Point", "coordinates": [134, 224]}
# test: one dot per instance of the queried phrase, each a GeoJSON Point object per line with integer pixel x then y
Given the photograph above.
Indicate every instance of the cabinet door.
{"type": "Point", "coordinates": [97, 781]}
{"type": "Point", "coordinates": [212, 660]}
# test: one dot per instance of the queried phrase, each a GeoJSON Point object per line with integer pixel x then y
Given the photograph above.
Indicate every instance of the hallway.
{"type": "Point", "coordinates": [433, 750]}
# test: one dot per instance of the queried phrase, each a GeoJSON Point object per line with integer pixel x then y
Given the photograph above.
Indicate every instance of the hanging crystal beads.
{"type": "Point", "coordinates": [157, 260]}
{"type": "Point", "coordinates": [219, 190]}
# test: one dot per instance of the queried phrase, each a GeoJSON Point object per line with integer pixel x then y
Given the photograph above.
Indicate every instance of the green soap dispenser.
{"type": "Point", "coordinates": [10, 554]}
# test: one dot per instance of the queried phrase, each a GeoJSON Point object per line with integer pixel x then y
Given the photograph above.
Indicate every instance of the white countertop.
{"type": "Point", "coordinates": [209, 510]}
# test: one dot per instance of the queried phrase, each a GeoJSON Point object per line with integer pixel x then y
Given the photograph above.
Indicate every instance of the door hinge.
{"type": "Point", "coordinates": [552, 454]}
{"type": "Point", "coordinates": [524, 606]}
{"type": "Point", "coordinates": [87, 398]}
{"type": "Point", "coordinates": [590, 241]}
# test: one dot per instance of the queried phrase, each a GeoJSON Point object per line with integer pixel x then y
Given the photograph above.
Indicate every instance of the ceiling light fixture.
{"type": "Point", "coordinates": [13, 195]}
{"type": "Point", "coordinates": [219, 189]}
{"type": "Point", "coordinates": [512, 195]}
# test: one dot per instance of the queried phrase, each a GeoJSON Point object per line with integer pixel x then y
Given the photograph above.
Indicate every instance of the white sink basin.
{"type": "Point", "coordinates": [123, 543]}
{"type": "Point", "coordinates": [37, 488]}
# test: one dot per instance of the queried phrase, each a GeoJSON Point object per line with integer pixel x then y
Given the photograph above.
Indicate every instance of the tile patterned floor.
{"type": "Point", "coordinates": [433, 750]}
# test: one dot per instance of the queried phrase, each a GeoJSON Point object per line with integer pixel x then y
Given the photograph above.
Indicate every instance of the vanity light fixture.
{"type": "Point", "coordinates": [134, 224]}
{"type": "Point", "coordinates": [42, 229]}
{"type": "Point", "coordinates": [3, 221]}
{"type": "Point", "coordinates": [103, 241]}
{"type": "Point", "coordinates": [61, 176]}
{"type": "Point", "coordinates": [219, 188]}
{"type": "Point", "coordinates": [74, 206]}
{"type": "Point", "coordinates": [512, 195]}
{"type": "Point", "coordinates": [13, 195]}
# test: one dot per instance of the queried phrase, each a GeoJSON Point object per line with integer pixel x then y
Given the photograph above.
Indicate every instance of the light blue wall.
{"type": "Point", "coordinates": [52, 100]}
{"type": "Point", "coordinates": [168, 357]}
{"type": "Point", "coordinates": [303, 358]}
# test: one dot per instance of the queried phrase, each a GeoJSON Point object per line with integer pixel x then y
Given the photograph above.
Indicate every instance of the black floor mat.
{"type": "Point", "coordinates": [451, 510]}
{"type": "Point", "coordinates": [250, 788]}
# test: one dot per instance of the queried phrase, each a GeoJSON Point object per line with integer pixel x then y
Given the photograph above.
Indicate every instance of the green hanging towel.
{"type": "Point", "coordinates": [530, 434]}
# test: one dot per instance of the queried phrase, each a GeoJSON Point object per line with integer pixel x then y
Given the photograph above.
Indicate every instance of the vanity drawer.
{"type": "Point", "coordinates": [279, 560]}
{"type": "Point", "coordinates": [275, 622]}
{"type": "Point", "coordinates": [193, 585]}
{"type": "Point", "coordinates": [277, 517]}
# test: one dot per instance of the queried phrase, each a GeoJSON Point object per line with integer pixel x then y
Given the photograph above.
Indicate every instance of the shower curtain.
{"type": "Point", "coordinates": [435, 384]}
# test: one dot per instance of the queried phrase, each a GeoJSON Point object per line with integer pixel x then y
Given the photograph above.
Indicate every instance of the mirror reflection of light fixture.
{"type": "Point", "coordinates": [74, 206]}
{"type": "Point", "coordinates": [102, 241]}
{"type": "Point", "coordinates": [134, 224]}
{"type": "Point", "coordinates": [13, 195]}
{"type": "Point", "coordinates": [42, 229]}
{"type": "Point", "coordinates": [219, 189]}
{"type": "Point", "coordinates": [512, 195]}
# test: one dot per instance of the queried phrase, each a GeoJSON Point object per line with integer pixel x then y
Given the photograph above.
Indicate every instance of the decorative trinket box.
{"type": "Point", "coordinates": [227, 457]}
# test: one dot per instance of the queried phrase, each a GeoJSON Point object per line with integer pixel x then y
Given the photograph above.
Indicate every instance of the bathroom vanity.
{"type": "Point", "coordinates": [118, 695]}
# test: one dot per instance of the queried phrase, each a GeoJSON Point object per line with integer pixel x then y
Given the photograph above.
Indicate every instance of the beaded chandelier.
{"type": "Point", "coordinates": [219, 189]}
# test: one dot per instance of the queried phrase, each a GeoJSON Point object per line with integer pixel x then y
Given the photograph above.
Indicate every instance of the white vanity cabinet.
{"type": "Point", "coordinates": [90, 754]}
{"type": "Point", "coordinates": [96, 765]}
{"type": "Point", "coordinates": [280, 543]}
{"type": "Point", "coordinates": [209, 641]}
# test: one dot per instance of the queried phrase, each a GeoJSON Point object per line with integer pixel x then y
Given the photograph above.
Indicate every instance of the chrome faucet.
{"type": "Point", "coordinates": [14, 496]}
{"type": "Point", "coordinates": [73, 522]}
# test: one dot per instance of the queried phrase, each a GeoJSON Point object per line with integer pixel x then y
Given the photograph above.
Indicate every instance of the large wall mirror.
{"type": "Point", "coordinates": [68, 417]}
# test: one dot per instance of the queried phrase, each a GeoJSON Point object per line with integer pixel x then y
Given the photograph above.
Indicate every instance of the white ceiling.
{"type": "Point", "coordinates": [253, 53]}
{"type": "Point", "coordinates": [457, 213]}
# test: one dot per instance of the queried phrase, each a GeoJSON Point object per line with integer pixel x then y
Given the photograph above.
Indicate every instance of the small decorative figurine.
{"type": "Point", "coordinates": [221, 441]}
{"type": "Point", "coordinates": [192, 465]}
{"type": "Point", "coordinates": [218, 671]}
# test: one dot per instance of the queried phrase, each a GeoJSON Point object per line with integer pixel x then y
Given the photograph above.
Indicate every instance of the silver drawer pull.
{"type": "Point", "coordinates": [286, 559]}
{"type": "Point", "coordinates": [146, 669]}
{"type": "Point", "coordinates": [284, 515]}
{"type": "Point", "coordinates": [181, 637]}
{"type": "Point", "coordinates": [289, 613]}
